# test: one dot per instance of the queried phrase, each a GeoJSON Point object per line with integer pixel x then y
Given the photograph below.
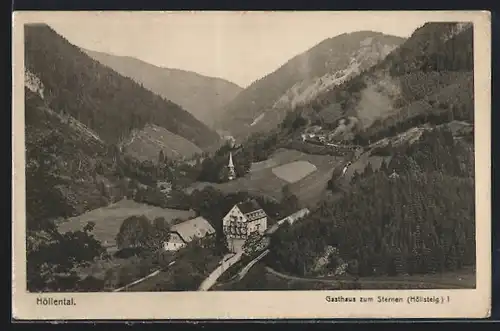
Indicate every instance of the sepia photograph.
{"type": "Point", "coordinates": [251, 155]}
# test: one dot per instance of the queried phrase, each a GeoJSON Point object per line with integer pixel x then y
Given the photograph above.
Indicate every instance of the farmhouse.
{"type": "Point", "coordinates": [174, 243]}
{"type": "Point", "coordinates": [185, 232]}
{"type": "Point", "coordinates": [242, 220]}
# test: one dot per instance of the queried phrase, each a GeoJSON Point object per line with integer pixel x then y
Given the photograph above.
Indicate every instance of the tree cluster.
{"type": "Point", "coordinates": [140, 232]}
{"type": "Point", "coordinates": [214, 168]}
{"type": "Point", "coordinates": [53, 258]}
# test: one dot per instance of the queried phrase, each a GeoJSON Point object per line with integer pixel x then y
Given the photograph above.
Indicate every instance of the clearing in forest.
{"type": "Point", "coordinates": [294, 171]}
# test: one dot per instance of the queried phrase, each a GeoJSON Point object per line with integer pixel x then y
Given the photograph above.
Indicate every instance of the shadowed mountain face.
{"type": "Point", "coordinates": [264, 104]}
{"type": "Point", "coordinates": [100, 98]}
{"type": "Point", "coordinates": [202, 96]}
{"type": "Point", "coordinates": [428, 75]}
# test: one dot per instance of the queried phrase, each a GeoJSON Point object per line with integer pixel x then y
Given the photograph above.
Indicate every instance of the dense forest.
{"type": "Point", "coordinates": [58, 157]}
{"type": "Point", "coordinates": [421, 220]}
{"type": "Point", "coordinates": [62, 180]}
{"type": "Point", "coordinates": [97, 96]}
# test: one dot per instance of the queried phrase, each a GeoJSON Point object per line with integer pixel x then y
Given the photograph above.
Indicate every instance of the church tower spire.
{"type": "Point", "coordinates": [232, 174]}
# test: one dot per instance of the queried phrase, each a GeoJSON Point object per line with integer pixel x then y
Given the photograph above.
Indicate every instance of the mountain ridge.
{"type": "Point", "coordinates": [98, 96]}
{"type": "Point", "coordinates": [201, 95]}
{"type": "Point", "coordinates": [327, 57]}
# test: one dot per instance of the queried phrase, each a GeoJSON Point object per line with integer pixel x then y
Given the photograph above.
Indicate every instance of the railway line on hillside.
{"type": "Point", "coordinates": [459, 283]}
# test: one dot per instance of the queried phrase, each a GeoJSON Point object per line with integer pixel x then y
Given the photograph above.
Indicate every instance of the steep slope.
{"type": "Point", "coordinates": [61, 157]}
{"type": "Point", "coordinates": [431, 73]}
{"type": "Point", "coordinates": [100, 98]}
{"type": "Point", "coordinates": [70, 169]}
{"type": "Point", "coordinates": [202, 96]}
{"type": "Point", "coordinates": [264, 103]}
{"type": "Point", "coordinates": [147, 143]}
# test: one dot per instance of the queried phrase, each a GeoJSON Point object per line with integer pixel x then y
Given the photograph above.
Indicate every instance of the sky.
{"type": "Point", "coordinates": [237, 46]}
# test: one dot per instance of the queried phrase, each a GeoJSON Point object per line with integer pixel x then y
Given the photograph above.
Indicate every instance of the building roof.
{"type": "Point", "coordinates": [248, 206]}
{"type": "Point", "coordinates": [194, 228]}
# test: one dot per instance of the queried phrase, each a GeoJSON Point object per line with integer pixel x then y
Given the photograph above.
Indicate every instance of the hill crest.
{"type": "Point", "coordinates": [302, 78]}
{"type": "Point", "coordinates": [201, 95]}
{"type": "Point", "coordinates": [99, 97]}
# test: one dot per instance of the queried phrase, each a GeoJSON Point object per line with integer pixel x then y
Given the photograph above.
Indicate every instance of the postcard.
{"type": "Point", "coordinates": [251, 165]}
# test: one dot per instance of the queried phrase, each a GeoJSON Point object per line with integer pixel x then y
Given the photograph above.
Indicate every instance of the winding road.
{"type": "Point", "coordinates": [225, 263]}
{"type": "Point", "coordinates": [247, 268]}
{"type": "Point", "coordinates": [361, 281]}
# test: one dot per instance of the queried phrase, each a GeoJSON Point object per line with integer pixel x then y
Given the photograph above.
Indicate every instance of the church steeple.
{"type": "Point", "coordinates": [232, 174]}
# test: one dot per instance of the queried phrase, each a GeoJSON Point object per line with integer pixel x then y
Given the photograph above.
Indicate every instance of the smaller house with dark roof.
{"type": "Point", "coordinates": [242, 220]}
{"type": "Point", "coordinates": [183, 233]}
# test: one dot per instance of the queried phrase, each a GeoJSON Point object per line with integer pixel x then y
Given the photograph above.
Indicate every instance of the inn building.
{"type": "Point", "coordinates": [241, 221]}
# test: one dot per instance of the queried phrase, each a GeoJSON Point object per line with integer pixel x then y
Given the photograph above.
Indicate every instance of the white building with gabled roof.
{"type": "Point", "coordinates": [242, 220]}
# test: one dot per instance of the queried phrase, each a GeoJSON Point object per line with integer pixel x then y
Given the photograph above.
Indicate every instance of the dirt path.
{"type": "Point", "coordinates": [223, 266]}
{"type": "Point", "coordinates": [432, 283]}
{"type": "Point", "coordinates": [128, 286]}
{"type": "Point", "coordinates": [247, 268]}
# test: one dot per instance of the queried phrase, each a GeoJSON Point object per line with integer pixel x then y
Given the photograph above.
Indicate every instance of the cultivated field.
{"type": "Point", "coordinates": [311, 189]}
{"type": "Point", "coordinates": [294, 171]}
{"type": "Point", "coordinates": [264, 178]}
{"type": "Point", "coordinates": [109, 219]}
{"type": "Point", "coordinates": [280, 157]}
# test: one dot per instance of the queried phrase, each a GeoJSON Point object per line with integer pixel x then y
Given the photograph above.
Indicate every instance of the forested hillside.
{"type": "Point", "coordinates": [59, 155]}
{"type": "Point", "coordinates": [202, 96]}
{"type": "Point", "coordinates": [97, 96]}
{"type": "Point", "coordinates": [265, 102]}
{"type": "Point", "coordinates": [416, 215]}
{"type": "Point", "coordinates": [430, 73]}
